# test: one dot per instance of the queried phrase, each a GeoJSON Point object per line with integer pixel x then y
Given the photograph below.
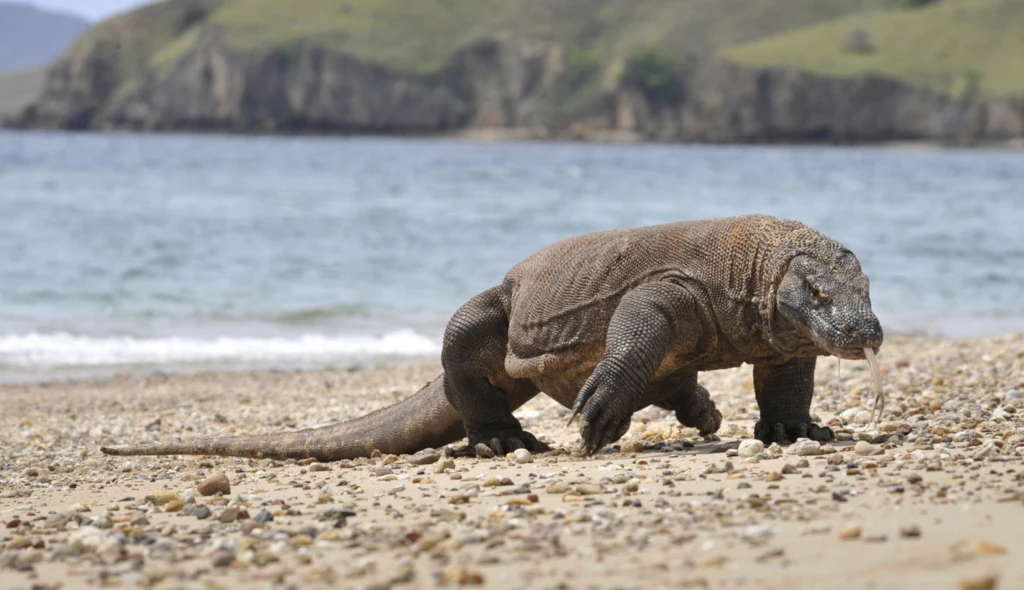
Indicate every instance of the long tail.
{"type": "Point", "coordinates": [424, 419]}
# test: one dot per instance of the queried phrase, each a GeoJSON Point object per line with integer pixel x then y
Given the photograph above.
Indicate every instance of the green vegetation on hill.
{"type": "Point", "coordinates": [129, 71]}
{"type": "Point", "coordinates": [419, 36]}
{"type": "Point", "coordinates": [952, 46]}
{"type": "Point", "coordinates": [131, 39]}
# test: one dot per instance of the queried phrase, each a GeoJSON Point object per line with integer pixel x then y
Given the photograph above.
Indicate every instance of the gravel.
{"type": "Point", "coordinates": [928, 496]}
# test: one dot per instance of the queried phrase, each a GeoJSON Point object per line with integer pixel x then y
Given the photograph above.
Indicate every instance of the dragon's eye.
{"type": "Point", "coordinates": [818, 292]}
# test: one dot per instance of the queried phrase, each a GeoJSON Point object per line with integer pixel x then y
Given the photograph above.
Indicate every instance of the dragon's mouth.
{"type": "Point", "coordinates": [853, 353]}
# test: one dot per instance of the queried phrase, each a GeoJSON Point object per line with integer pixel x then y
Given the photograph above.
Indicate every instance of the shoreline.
{"type": "Point", "coordinates": [932, 500]}
{"type": "Point", "coordinates": [12, 376]}
{"type": "Point", "coordinates": [528, 135]}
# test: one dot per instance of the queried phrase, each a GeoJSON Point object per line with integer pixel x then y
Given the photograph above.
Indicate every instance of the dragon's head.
{"type": "Point", "coordinates": [826, 299]}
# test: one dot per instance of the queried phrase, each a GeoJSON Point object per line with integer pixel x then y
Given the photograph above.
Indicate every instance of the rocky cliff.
{"type": "Point", "coordinates": [729, 103]}
{"type": "Point", "coordinates": [493, 84]}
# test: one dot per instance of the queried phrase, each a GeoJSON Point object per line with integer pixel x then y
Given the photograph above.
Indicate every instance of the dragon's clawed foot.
{"type": "Point", "coordinates": [700, 413]}
{"type": "Point", "coordinates": [605, 411]}
{"type": "Point", "coordinates": [498, 443]}
{"type": "Point", "coordinates": [784, 433]}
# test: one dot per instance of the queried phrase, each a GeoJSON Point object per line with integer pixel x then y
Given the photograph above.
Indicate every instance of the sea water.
{"type": "Point", "coordinates": [122, 251]}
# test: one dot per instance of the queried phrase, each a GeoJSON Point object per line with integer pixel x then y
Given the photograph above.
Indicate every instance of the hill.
{"type": "Point", "coordinates": [18, 89]}
{"type": "Point", "coordinates": [31, 38]}
{"type": "Point", "coordinates": [944, 45]}
{"type": "Point", "coordinates": [422, 36]}
{"type": "Point", "coordinates": [728, 70]}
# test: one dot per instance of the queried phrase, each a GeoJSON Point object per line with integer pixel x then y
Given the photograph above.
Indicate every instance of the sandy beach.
{"type": "Point", "coordinates": [933, 496]}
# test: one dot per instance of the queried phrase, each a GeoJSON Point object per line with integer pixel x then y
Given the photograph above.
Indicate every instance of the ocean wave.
{"type": "Point", "coordinates": [69, 350]}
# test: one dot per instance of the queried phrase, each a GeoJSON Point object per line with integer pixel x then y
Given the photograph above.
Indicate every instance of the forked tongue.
{"type": "Point", "coordinates": [876, 375]}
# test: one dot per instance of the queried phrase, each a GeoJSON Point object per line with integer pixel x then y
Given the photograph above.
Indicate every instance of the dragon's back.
{"type": "Point", "coordinates": [563, 297]}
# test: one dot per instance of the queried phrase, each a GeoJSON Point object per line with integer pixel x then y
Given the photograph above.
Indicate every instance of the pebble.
{"type": "Point", "coordinates": [864, 448]}
{"type": "Point", "coordinates": [463, 576]}
{"type": "Point", "coordinates": [110, 550]}
{"type": "Point", "coordinates": [163, 496]}
{"type": "Point", "coordinates": [223, 558]}
{"type": "Point", "coordinates": [446, 465]}
{"type": "Point", "coordinates": [774, 451]}
{"type": "Point", "coordinates": [989, 548]}
{"type": "Point", "coordinates": [632, 446]}
{"type": "Point", "coordinates": [215, 484]}
{"type": "Point", "coordinates": [24, 560]}
{"type": "Point", "coordinates": [264, 516]}
{"type": "Point", "coordinates": [319, 467]}
{"type": "Point", "coordinates": [18, 542]}
{"type": "Point", "coordinates": [228, 515]}
{"type": "Point", "coordinates": [85, 540]}
{"type": "Point", "coordinates": [523, 456]}
{"type": "Point", "coordinates": [850, 532]}
{"type": "Point", "coordinates": [750, 448]}
{"type": "Point", "coordinates": [300, 540]}
{"type": "Point", "coordinates": [985, 582]}
{"type": "Point", "coordinates": [587, 489]}
{"type": "Point", "coordinates": [424, 457]}
{"type": "Point", "coordinates": [910, 531]}
{"type": "Point", "coordinates": [201, 512]}
{"type": "Point", "coordinates": [805, 447]}
{"type": "Point", "coordinates": [557, 487]}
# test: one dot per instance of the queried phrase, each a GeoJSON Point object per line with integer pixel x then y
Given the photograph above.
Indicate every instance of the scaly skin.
{"type": "Point", "coordinates": [609, 323]}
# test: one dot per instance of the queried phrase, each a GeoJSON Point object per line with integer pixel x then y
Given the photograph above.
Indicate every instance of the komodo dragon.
{"type": "Point", "coordinates": [608, 323]}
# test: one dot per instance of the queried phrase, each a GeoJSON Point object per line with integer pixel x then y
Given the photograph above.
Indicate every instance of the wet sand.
{"type": "Point", "coordinates": [933, 496]}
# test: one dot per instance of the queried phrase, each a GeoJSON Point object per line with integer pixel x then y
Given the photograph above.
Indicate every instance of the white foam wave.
{"type": "Point", "coordinates": [68, 350]}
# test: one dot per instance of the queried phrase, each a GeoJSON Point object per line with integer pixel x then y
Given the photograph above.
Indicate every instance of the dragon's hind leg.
{"type": "Point", "coordinates": [476, 382]}
{"type": "Point", "coordinates": [692, 403]}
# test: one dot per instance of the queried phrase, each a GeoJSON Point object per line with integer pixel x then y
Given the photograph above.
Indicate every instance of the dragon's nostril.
{"type": "Point", "coordinates": [848, 328]}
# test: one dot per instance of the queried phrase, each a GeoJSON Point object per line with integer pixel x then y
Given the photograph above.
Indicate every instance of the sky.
{"type": "Point", "coordinates": [91, 9]}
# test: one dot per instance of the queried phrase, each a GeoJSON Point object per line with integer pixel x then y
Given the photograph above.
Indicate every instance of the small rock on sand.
{"type": "Point", "coordinates": [218, 482]}
{"type": "Point", "coordinates": [850, 532]}
{"type": "Point", "coordinates": [632, 446]}
{"type": "Point", "coordinates": [751, 448]}
{"type": "Point", "coordinates": [805, 447]}
{"type": "Point", "coordinates": [910, 531]}
{"type": "Point", "coordinates": [425, 457]}
{"type": "Point", "coordinates": [987, 582]}
{"type": "Point", "coordinates": [18, 542]}
{"type": "Point", "coordinates": [463, 576]}
{"type": "Point", "coordinates": [446, 465]}
{"type": "Point", "coordinates": [223, 558]}
{"type": "Point", "coordinates": [864, 448]}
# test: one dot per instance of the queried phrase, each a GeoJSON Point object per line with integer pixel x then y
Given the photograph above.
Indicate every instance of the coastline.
{"type": "Point", "coordinates": [510, 134]}
{"type": "Point", "coordinates": [541, 134]}
{"type": "Point", "coordinates": [939, 504]}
